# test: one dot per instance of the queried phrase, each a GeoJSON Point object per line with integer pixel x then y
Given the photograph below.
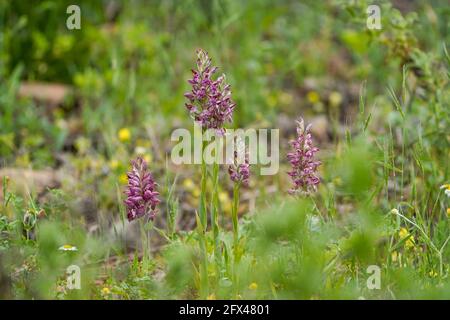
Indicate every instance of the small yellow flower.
{"type": "Point", "coordinates": [148, 158]}
{"type": "Point", "coordinates": [403, 233]}
{"type": "Point", "coordinates": [188, 184]}
{"type": "Point", "coordinates": [335, 99]}
{"type": "Point", "coordinates": [394, 256]}
{"type": "Point", "coordinates": [114, 164]}
{"type": "Point", "coordinates": [446, 188]}
{"type": "Point", "coordinates": [196, 192]}
{"type": "Point", "coordinates": [410, 243]}
{"type": "Point", "coordinates": [448, 212]}
{"type": "Point", "coordinates": [212, 296]}
{"type": "Point", "coordinates": [123, 178]}
{"type": "Point", "coordinates": [106, 291]}
{"type": "Point", "coordinates": [313, 97]}
{"type": "Point", "coordinates": [225, 202]}
{"type": "Point", "coordinates": [433, 274]}
{"type": "Point", "coordinates": [124, 134]}
{"type": "Point", "coordinates": [223, 197]}
{"type": "Point", "coordinates": [253, 286]}
{"type": "Point", "coordinates": [68, 247]}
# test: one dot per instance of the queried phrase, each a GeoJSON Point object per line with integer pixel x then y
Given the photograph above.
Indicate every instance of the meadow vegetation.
{"type": "Point", "coordinates": [85, 151]}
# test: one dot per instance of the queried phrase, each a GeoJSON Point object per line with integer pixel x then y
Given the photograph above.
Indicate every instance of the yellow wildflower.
{"type": "Point", "coordinates": [432, 274]}
{"type": "Point", "coordinates": [212, 296]}
{"type": "Point", "coordinates": [123, 179]}
{"type": "Point", "coordinates": [403, 233]}
{"type": "Point", "coordinates": [446, 188]}
{"type": "Point", "coordinates": [313, 97]}
{"type": "Point", "coordinates": [394, 256]}
{"type": "Point", "coordinates": [225, 202]}
{"type": "Point", "coordinates": [253, 286]}
{"type": "Point", "coordinates": [113, 164]}
{"type": "Point", "coordinates": [124, 134]}
{"type": "Point", "coordinates": [335, 99]}
{"type": "Point", "coordinates": [148, 158]}
{"type": "Point", "coordinates": [448, 212]}
{"type": "Point", "coordinates": [188, 184]}
{"type": "Point", "coordinates": [196, 192]}
{"type": "Point", "coordinates": [410, 243]}
{"type": "Point", "coordinates": [223, 197]}
{"type": "Point", "coordinates": [106, 291]}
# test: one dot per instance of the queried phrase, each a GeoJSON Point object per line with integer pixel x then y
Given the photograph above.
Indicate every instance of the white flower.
{"type": "Point", "coordinates": [394, 211]}
{"type": "Point", "coordinates": [447, 189]}
{"type": "Point", "coordinates": [68, 247]}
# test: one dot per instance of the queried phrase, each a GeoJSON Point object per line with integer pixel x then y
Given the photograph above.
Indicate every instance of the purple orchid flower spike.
{"type": "Point", "coordinates": [303, 163]}
{"type": "Point", "coordinates": [209, 100]}
{"type": "Point", "coordinates": [142, 197]}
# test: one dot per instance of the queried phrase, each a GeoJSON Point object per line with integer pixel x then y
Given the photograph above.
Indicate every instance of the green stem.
{"type": "Point", "coordinates": [202, 211]}
{"type": "Point", "coordinates": [214, 213]}
{"type": "Point", "coordinates": [234, 215]}
{"type": "Point", "coordinates": [202, 231]}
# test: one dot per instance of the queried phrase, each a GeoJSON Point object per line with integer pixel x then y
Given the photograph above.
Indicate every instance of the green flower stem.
{"type": "Point", "coordinates": [214, 213]}
{"type": "Point", "coordinates": [202, 231]}
{"type": "Point", "coordinates": [234, 215]}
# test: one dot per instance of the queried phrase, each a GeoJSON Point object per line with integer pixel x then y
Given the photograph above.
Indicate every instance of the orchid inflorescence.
{"type": "Point", "coordinates": [209, 100]}
{"type": "Point", "coordinates": [142, 197]}
{"type": "Point", "coordinates": [302, 159]}
{"type": "Point", "coordinates": [239, 169]}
